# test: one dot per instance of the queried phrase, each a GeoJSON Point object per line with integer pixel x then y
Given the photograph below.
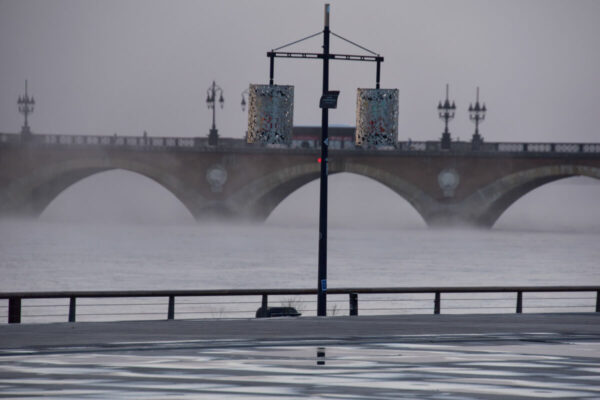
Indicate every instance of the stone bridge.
{"type": "Point", "coordinates": [239, 180]}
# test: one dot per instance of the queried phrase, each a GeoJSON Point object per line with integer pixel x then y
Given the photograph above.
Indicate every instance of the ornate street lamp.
{"type": "Point", "coordinates": [476, 114]}
{"type": "Point", "coordinates": [244, 103]}
{"type": "Point", "coordinates": [26, 105]}
{"type": "Point", "coordinates": [211, 100]}
{"type": "Point", "coordinates": [446, 112]}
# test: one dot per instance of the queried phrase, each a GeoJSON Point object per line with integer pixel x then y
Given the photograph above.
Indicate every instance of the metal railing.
{"type": "Point", "coordinates": [386, 305]}
{"type": "Point", "coordinates": [153, 142]}
{"type": "Point", "coordinates": [96, 140]}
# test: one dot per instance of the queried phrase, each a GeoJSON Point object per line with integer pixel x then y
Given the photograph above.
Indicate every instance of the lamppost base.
{"type": "Point", "coordinates": [213, 137]}
{"type": "Point", "coordinates": [477, 141]}
{"type": "Point", "coordinates": [446, 141]}
{"type": "Point", "coordinates": [26, 133]}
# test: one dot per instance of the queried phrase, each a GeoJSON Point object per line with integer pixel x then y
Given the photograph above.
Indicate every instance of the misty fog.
{"type": "Point", "coordinates": [354, 202]}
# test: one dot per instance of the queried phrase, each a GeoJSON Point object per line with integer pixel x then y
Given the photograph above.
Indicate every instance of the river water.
{"type": "Point", "coordinates": [55, 253]}
{"type": "Point", "coordinates": [39, 256]}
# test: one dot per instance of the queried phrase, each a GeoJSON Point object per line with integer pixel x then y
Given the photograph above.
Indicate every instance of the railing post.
{"type": "Point", "coordinates": [72, 308]}
{"type": "Point", "coordinates": [519, 302]}
{"type": "Point", "coordinates": [598, 301]}
{"type": "Point", "coordinates": [14, 310]}
{"type": "Point", "coordinates": [353, 304]}
{"type": "Point", "coordinates": [437, 303]}
{"type": "Point", "coordinates": [262, 311]}
{"type": "Point", "coordinates": [171, 313]}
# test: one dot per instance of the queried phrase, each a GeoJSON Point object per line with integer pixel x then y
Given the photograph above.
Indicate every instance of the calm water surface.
{"type": "Point", "coordinates": [70, 256]}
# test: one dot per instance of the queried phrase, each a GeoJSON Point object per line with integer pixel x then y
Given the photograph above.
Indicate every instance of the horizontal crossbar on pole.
{"type": "Point", "coordinates": [348, 57]}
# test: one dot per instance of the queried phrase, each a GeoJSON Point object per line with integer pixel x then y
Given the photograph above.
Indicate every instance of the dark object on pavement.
{"type": "Point", "coordinates": [277, 312]}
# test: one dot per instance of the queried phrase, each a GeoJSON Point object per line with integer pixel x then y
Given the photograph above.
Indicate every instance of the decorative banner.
{"type": "Point", "coordinates": [270, 114]}
{"type": "Point", "coordinates": [377, 117]}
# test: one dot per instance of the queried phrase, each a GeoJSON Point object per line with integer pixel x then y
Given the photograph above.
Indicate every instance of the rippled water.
{"type": "Point", "coordinates": [69, 256]}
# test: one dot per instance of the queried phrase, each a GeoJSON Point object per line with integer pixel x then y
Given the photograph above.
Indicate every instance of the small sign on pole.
{"type": "Point", "coordinates": [324, 285]}
{"type": "Point", "coordinates": [329, 99]}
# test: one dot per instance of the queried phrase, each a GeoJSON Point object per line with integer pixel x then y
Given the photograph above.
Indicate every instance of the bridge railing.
{"type": "Point", "coordinates": [549, 147]}
{"type": "Point", "coordinates": [244, 302]}
{"type": "Point", "coordinates": [149, 142]}
{"type": "Point", "coordinates": [505, 147]}
{"type": "Point", "coordinates": [96, 140]}
{"type": "Point", "coordinates": [118, 141]}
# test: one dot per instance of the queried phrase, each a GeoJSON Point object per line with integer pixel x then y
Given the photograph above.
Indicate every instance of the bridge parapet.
{"type": "Point", "coordinates": [201, 144]}
{"type": "Point", "coordinates": [549, 147]}
{"type": "Point", "coordinates": [97, 140]}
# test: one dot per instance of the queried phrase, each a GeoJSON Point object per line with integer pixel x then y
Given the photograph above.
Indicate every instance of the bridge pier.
{"type": "Point", "coordinates": [449, 220]}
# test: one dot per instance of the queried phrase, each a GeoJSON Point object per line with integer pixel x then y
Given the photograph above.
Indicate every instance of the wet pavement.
{"type": "Point", "coordinates": [544, 360]}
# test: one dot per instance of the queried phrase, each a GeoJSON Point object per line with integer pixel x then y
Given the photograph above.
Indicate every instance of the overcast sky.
{"type": "Point", "coordinates": [125, 66]}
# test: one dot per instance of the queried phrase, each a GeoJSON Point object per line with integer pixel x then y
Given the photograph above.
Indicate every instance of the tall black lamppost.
{"type": "Point", "coordinates": [476, 114]}
{"type": "Point", "coordinates": [26, 105]}
{"type": "Point", "coordinates": [328, 100]}
{"type": "Point", "coordinates": [446, 112]}
{"type": "Point", "coordinates": [211, 100]}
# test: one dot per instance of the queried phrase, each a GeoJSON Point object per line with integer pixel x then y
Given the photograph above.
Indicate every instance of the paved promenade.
{"type": "Point", "coordinates": [342, 328]}
{"type": "Point", "coordinates": [387, 357]}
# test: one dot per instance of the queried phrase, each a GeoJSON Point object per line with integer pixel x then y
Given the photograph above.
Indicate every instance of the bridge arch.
{"type": "Point", "coordinates": [31, 194]}
{"type": "Point", "coordinates": [260, 197]}
{"type": "Point", "coordinates": [485, 206]}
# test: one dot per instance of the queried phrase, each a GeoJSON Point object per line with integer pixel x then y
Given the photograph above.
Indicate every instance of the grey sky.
{"type": "Point", "coordinates": [99, 67]}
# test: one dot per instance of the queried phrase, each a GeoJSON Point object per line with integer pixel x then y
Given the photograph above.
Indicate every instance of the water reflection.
{"type": "Point", "coordinates": [320, 355]}
{"type": "Point", "coordinates": [467, 370]}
